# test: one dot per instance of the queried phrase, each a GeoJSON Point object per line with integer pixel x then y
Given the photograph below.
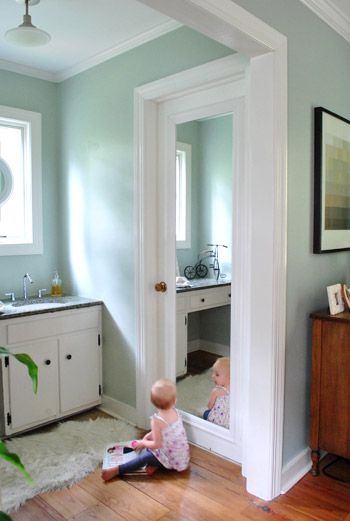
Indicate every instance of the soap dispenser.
{"type": "Point", "coordinates": [56, 285]}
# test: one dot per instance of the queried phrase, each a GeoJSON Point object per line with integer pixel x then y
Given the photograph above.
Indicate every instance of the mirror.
{"type": "Point", "coordinates": [204, 239]}
{"type": "Point", "coordinates": [6, 181]}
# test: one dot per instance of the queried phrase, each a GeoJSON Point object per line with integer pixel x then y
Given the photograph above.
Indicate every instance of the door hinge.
{"type": "Point", "coordinates": [7, 361]}
{"type": "Point", "coordinates": [185, 321]}
{"type": "Point", "coordinates": [99, 339]}
{"type": "Point", "coordinates": [185, 362]}
{"type": "Point", "coordinates": [9, 419]}
{"type": "Point", "coordinates": [100, 390]}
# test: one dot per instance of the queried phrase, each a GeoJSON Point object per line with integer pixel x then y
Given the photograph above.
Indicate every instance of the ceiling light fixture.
{"type": "Point", "coordinates": [26, 34]}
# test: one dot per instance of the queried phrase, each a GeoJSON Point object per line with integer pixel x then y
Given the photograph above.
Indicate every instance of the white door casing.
{"type": "Point", "coordinates": [259, 223]}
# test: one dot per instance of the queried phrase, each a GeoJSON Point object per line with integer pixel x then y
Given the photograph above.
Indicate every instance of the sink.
{"type": "Point", "coordinates": [43, 301]}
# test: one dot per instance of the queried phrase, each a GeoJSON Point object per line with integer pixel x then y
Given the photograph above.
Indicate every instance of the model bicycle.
{"type": "Point", "coordinates": [200, 269]}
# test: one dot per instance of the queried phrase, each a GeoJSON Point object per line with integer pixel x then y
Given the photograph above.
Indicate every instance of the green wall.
{"type": "Point", "coordinates": [40, 96]}
{"type": "Point", "coordinates": [318, 75]}
{"type": "Point", "coordinates": [211, 189]}
{"type": "Point", "coordinates": [215, 215]}
{"type": "Point", "coordinates": [98, 185]}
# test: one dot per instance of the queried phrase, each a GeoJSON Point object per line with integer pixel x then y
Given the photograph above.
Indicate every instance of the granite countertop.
{"type": "Point", "coordinates": [196, 284]}
{"type": "Point", "coordinates": [46, 304]}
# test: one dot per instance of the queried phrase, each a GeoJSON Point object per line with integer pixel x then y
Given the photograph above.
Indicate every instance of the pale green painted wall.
{"type": "Point", "coordinates": [211, 191]}
{"type": "Point", "coordinates": [39, 96]}
{"type": "Point", "coordinates": [318, 75]}
{"type": "Point", "coordinates": [216, 186]}
{"type": "Point", "coordinates": [97, 184]}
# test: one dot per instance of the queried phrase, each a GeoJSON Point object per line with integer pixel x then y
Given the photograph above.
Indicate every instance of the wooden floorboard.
{"type": "Point", "coordinates": [211, 490]}
{"type": "Point", "coordinates": [199, 361]}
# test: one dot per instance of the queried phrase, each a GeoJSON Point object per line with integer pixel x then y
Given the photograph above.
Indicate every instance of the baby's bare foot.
{"type": "Point", "coordinates": [151, 470]}
{"type": "Point", "coordinates": [108, 474]}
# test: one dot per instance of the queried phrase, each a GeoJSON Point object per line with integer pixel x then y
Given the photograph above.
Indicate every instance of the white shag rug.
{"type": "Point", "coordinates": [58, 458]}
{"type": "Point", "coordinates": [193, 393]}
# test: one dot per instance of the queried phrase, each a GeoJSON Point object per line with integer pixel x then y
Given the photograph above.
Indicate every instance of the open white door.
{"type": "Point", "coordinates": [220, 89]}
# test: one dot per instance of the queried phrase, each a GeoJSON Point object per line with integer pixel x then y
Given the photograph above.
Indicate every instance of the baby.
{"type": "Point", "coordinates": [166, 445]}
{"type": "Point", "coordinates": [219, 402]}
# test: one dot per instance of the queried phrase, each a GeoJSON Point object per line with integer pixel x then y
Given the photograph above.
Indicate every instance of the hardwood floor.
{"type": "Point", "coordinates": [199, 361]}
{"type": "Point", "coordinates": [211, 490]}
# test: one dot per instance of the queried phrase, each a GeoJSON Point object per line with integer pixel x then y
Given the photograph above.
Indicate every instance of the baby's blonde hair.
{"type": "Point", "coordinates": [223, 363]}
{"type": "Point", "coordinates": [163, 393]}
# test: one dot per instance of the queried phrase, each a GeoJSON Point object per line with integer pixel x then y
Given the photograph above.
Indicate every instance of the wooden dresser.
{"type": "Point", "coordinates": [330, 387]}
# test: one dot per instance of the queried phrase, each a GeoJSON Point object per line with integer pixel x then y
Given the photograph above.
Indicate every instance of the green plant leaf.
{"type": "Point", "coordinates": [11, 457]}
{"type": "Point", "coordinates": [26, 360]}
{"type": "Point", "coordinates": [5, 517]}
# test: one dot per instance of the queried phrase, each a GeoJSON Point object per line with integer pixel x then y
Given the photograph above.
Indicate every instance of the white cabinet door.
{"type": "Point", "coordinates": [181, 344]}
{"type": "Point", "coordinates": [27, 408]}
{"type": "Point", "coordinates": [79, 362]}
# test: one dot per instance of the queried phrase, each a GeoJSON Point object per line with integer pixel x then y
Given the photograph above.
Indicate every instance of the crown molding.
{"type": "Point", "coordinates": [26, 71]}
{"type": "Point", "coordinates": [127, 45]}
{"type": "Point", "coordinates": [332, 15]}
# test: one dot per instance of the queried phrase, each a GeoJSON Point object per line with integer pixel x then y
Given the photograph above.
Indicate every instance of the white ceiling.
{"type": "Point", "coordinates": [87, 32]}
{"type": "Point", "coordinates": [83, 33]}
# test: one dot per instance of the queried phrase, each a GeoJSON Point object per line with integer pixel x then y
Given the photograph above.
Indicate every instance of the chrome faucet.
{"type": "Point", "coordinates": [25, 278]}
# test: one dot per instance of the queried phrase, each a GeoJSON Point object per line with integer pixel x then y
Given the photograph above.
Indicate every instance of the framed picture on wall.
{"type": "Point", "coordinates": [331, 182]}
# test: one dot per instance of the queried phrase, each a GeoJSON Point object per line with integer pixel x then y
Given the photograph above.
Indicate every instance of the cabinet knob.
{"type": "Point", "coordinates": [202, 299]}
{"type": "Point", "coordinates": [47, 362]}
{"type": "Point", "coordinates": [69, 357]}
{"type": "Point", "coordinates": [229, 295]}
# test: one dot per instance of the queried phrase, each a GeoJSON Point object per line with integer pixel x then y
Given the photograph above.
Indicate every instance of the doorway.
{"type": "Point", "coordinates": [260, 235]}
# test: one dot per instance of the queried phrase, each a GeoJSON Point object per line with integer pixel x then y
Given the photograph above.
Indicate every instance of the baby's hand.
{"type": "Point", "coordinates": [137, 445]}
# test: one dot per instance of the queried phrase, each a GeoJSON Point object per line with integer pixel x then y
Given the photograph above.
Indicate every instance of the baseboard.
{"type": "Point", "coordinates": [214, 347]}
{"type": "Point", "coordinates": [193, 345]}
{"type": "Point", "coordinates": [118, 409]}
{"type": "Point", "coordinates": [211, 347]}
{"type": "Point", "coordinates": [295, 469]}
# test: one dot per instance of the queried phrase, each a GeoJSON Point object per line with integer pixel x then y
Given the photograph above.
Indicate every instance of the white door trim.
{"type": "Point", "coordinates": [262, 234]}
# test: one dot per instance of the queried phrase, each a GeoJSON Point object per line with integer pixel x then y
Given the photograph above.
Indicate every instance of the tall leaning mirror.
{"type": "Point", "coordinates": [203, 250]}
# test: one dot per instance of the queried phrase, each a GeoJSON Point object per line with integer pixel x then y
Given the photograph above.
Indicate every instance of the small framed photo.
{"type": "Point", "coordinates": [331, 182]}
{"type": "Point", "coordinates": [335, 299]}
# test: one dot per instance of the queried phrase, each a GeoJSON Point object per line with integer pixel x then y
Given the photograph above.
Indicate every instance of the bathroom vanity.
{"type": "Point", "coordinates": [201, 295]}
{"type": "Point", "coordinates": [64, 337]}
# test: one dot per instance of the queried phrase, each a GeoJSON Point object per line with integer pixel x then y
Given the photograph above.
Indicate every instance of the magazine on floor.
{"type": "Point", "coordinates": [114, 455]}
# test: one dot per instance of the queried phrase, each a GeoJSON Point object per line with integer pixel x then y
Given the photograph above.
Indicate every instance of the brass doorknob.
{"type": "Point", "coordinates": [161, 286]}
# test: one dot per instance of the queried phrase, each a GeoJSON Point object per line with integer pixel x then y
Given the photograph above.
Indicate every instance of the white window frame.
{"type": "Point", "coordinates": [30, 121]}
{"type": "Point", "coordinates": [183, 203]}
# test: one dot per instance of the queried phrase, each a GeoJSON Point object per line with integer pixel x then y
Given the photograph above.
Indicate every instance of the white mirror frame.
{"type": "Point", "coordinates": [6, 172]}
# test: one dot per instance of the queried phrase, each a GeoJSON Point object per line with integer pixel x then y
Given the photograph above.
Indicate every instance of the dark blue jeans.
{"type": "Point", "coordinates": [206, 414]}
{"type": "Point", "coordinates": [145, 457]}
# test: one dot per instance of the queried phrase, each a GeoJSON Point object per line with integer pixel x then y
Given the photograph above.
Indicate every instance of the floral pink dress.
{"type": "Point", "coordinates": [220, 413]}
{"type": "Point", "coordinates": [175, 451]}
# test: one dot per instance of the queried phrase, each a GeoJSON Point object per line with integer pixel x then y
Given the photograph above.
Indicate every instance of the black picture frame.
{"type": "Point", "coordinates": [331, 182]}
